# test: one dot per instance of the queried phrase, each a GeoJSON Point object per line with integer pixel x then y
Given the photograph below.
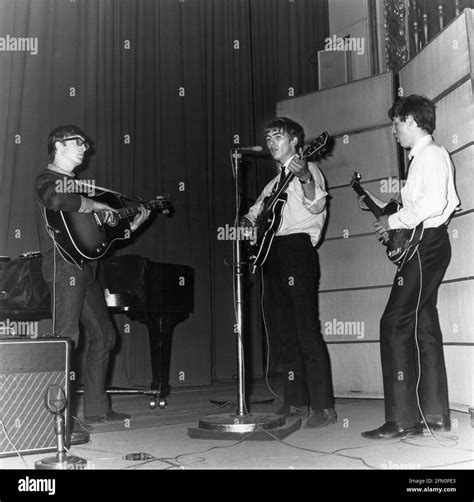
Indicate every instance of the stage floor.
{"type": "Point", "coordinates": [163, 435]}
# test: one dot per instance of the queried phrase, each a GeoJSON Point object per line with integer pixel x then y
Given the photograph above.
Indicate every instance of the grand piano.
{"type": "Point", "coordinates": [159, 295]}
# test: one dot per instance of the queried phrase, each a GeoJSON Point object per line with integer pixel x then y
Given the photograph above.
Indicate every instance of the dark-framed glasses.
{"type": "Point", "coordinates": [79, 141]}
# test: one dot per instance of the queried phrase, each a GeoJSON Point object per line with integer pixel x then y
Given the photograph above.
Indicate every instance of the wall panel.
{"type": "Point", "coordinates": [455, 311]}
{"type": "Point", "coordinates": [345, 214]}
{"type": "Point", "coordinates": [337, 110]}
{"type": "Point", "coordinates": [462, 245]}
{"type": "Point", "coordinates": [459, 361]}
{"type": "Point", "coordinates": [373, 153]}
{"type": "Point", "coordinates": [356, 369]}
{"type": "Point", "coordinates": [447, 52]}
{"type": "Point", "coordinates": [455, 118]}
{"type": "Point", "coordinates": [356, 262]}
{"type": "Point", "coordinates": [347, 307]}
{"type": "Point", "coordinates": [464, 169]}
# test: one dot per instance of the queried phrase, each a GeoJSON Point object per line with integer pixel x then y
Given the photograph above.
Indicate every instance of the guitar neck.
{"type": "Point", "coordinates": [375, 210]}
{"type": "Point", "coordinates": [127, 212]}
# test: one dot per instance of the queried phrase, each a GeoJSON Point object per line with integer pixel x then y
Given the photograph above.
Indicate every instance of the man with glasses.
{"type": "Point", "coordinates": [78, 298]}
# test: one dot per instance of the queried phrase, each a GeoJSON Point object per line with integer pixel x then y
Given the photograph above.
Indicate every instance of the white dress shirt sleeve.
{"type": "Point", "coordinates": [317, 205]}
{"type": "Point", "coordinates": [426, 193]}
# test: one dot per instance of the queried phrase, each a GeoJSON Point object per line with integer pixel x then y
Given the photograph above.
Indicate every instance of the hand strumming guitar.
{"type": "Point", "coordinates": [245, 222]}
{"type": "Point", "coordinates": [248, 232]}
{"type": "Point", "coordinates": [382, 227]}
{"type": "Point", "coordinates": [99, 207]}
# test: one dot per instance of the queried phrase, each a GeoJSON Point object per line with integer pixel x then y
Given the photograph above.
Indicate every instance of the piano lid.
{"type": "Point", "coordinates": [138, 283]}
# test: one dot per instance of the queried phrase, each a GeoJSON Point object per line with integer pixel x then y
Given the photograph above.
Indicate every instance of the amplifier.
{"type": "Point", "coordinates": [27, 369]}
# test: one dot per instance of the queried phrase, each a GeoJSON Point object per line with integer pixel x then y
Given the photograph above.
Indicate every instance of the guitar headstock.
{"type": "Point", "coordinates": [317, 146]}
{"type": "Point", "coordinates": [161, 203]}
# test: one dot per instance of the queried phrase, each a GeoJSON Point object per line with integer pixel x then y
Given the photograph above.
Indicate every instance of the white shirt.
{"type": "Point", "coordinates": [299, 213]}
{"type": "Point", "coordinates": [429, 194]}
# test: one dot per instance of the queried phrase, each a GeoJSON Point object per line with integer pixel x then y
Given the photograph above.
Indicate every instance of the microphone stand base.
{"type": "Point", "coordinates": [254, 426]}
{"type": "Point", "coordinates": [63, 462]}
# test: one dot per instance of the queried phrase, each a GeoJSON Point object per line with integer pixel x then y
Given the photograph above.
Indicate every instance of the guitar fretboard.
{"type": "Point", "coordinates": [126, 212]}
{"type": "Point", "coordinates": [375, 210]}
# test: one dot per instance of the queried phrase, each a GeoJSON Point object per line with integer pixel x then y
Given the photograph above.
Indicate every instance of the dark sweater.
{"type": "Point", "coordinates": [53, 190]}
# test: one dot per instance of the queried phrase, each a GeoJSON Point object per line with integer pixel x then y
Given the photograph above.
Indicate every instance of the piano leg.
{"type": "Point", "coordinates": [160, 332]}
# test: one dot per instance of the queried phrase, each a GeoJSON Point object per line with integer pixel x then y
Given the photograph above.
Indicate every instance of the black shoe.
{"type": "Point", "coordinates": [392, 430]}
{"type": "Point", "coordinates": [321, 418]}
{"type": "Point", "coordinates": [437, 423]}
{"type": "Point", "coordinates": [110, 416]}
{"type": "Point", "coordinates": [290, 411]}
{"type": "Point", "coordinates": [79, 437]}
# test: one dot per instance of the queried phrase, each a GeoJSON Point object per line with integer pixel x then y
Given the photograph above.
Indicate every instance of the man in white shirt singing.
{"type": "Point", "coordinates": [291, 276]}
{"type": "Point", "coordinates": [413, 367]}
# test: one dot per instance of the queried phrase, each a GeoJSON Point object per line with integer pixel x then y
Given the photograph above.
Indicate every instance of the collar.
{"type": "Point", "coordinates": [420, 145]}
{"type": "Point", "coordinates": [56, 169]}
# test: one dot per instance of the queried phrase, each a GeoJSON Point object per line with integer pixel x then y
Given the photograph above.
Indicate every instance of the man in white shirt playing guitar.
{"type": "Point", "coordinates": [291, 277]}
{"type": "Point", "coordinates": [413, 367]}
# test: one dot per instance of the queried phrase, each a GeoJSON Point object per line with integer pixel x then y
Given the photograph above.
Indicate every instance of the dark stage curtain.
{"type": "Point", "coordinates": [165, 88]}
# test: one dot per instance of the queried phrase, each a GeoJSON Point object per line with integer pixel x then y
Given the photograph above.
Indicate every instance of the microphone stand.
{"type": "Point", "coordinates": [238, 284]}
{"type": "Point", "coordinates": [242, 423]}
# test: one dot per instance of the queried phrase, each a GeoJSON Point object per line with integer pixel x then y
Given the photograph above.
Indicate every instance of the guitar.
{"type": "Point", "coordinates": [269, 218]}
{"type": "Point", "coordinates": [84, 237]}
{"type": "Point", "coordinates": [401, 243]}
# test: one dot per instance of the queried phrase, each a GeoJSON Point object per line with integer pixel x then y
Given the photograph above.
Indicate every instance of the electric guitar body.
{"type": "Point", "coordinates": [267, 226]}
{"type": "Point", "coordinates": [401, 244]}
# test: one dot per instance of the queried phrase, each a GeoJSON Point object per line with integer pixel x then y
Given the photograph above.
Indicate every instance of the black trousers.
{"type": "Point", "coordinates": [410, 321]}
{"type": "Point", "coordinates": [291, 277]}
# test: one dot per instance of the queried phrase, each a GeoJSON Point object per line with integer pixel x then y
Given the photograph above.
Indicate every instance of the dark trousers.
{"type": "Point", "coordinates": [80, 299]}
{"type": "Point", "coordinates": [291, 278]}
{"type": "Point", "coordinates": [399, 335]}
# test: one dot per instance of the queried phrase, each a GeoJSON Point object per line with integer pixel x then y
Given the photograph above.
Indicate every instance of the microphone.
{"type": "Point", "coordinates": [256, 148]}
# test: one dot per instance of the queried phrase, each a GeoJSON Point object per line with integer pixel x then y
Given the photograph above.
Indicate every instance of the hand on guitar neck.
{"type": "Point", "coordinates": [109, 214]}
{"type": "Point", "coordinates": [381, 223]}
{"type": "Point", "coordinates": [377, 201]}
{"type": "Point", "coordinates": [139, 218]}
